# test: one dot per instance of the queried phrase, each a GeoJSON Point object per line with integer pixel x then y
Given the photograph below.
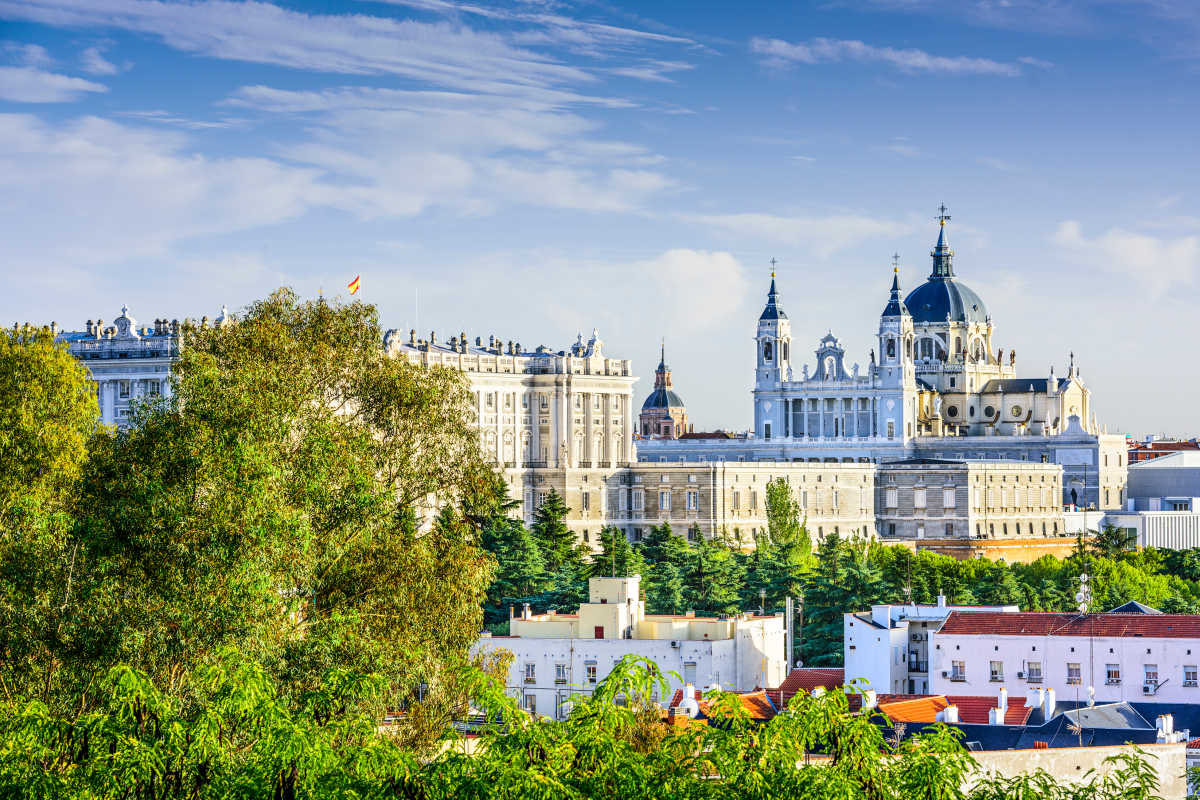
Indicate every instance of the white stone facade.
{"type": "Point", "coordinates": [557, 655]}
{"type": "Point", "coordinates": [887, 649]}
{"type": "Point", "coordinates": [127, 363]}
{"type": "Point", "coordinates": [937, 389]}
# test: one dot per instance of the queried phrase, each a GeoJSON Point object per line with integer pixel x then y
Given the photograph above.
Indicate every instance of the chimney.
{"type": "Point", "coordinates": [941, 601]}
{"type": "Point", "coordinates": [525, 611]}
{"type": "Point", "coordinates": [1048, 703]}
{"type": "Point", "coordinates": [1003, 703]}
{"type": "Point", "coordinates": [995, 716]}
{"type": "Point", "coordinates": [949, 715]}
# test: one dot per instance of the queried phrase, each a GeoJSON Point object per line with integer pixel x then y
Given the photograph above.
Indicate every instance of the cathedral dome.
{"type": "Point", "coordinates": [943, 298]}
{"type": "Point", "coordinates": [662, 398]}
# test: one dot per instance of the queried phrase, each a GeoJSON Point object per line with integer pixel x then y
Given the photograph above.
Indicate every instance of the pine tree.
{"type": "Point", "coordinates": [711, 584]}
{"type": "Point", "coordinates": [556, 540]}
{"type": "Point", "coordinates": [617, 558]}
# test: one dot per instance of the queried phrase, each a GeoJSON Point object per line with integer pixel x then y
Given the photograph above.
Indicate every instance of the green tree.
{"type": "Point", "coordinates": [279, 504]}
{"type": "Point", "coordinates": [48, 414]}
{"type": "Point", "coordinates": [1112, 542]}
{"type": "Point", "coordinates": [558, 542]}
{"type": "Point", "coordinates": [712, 579]}
{"type": "Point", "coordinates": [617, 557]}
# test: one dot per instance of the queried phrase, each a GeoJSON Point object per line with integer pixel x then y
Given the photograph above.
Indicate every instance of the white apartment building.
{"type": "Point", "coordinates": [558, 655]}
{"type": "Point", "coordinates": [887, 649]}
{"type": "Point", "coordinates": [1105, 658]}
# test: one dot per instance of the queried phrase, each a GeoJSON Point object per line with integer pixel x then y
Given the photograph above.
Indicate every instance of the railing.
{"type": "Point", "coordinates": [958, 677]}
{"type": "Point", "coordinates": [918, 666]}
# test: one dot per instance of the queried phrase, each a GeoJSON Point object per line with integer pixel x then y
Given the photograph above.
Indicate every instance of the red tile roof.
{"type": "Point", "coordinates": [757, 704]}
{"type": "Point", "coordinates": [916, 709]}
{"type": "Point", "coordinates": [973, 709]}
{"type": "Point", "coordinates": [807, 679]}
{"type": "Point", "coordinates": [1151, 626]}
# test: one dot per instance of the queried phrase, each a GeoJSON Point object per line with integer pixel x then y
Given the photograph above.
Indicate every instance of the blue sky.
{"type": "Point", "coordinates": [537, 169]}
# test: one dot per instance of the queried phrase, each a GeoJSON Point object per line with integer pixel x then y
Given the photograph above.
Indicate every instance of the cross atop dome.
{"type": "Point", "coordinates": [943, 256]}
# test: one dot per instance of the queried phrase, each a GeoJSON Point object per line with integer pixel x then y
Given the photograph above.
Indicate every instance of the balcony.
{"type": "Point", "coordinates": [530, 679]}
{"type": "Point", "coordinates": [918, 666]}
{"type": "Point", "coordinates": [958, 677]}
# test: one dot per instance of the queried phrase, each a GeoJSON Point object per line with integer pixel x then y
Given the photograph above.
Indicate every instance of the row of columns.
{"type": "Point", "coordinates": [799, 431]}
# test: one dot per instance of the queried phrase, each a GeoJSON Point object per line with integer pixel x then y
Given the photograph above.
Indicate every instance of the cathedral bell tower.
{"type": "Point", "coordinates": [773, 343]}
{"type": "Point", "coordinates": [895, 372]}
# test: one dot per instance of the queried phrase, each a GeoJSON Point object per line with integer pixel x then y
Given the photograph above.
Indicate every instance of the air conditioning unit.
{"type": "Point", "coordinates": [945, 674]}
{"type": "Point", "coordinates": [675, 644]}
{"type": "Point", "coordinates": [1149, 688]}
{"type": "Point", "coordinates": [1020, 676]}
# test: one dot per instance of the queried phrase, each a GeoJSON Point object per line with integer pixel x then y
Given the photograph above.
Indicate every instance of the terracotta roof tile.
{"type": "Point", "coordinates": [973, 709]}
{"type": "Point", "coordinates": [1151, 626]}
{"type": "Point", "coordinates": [917, 709]}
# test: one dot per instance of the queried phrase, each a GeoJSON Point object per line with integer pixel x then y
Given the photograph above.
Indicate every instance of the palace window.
{"type": "Point", "coordinates": [918, 498]}
{"type": "Point", "coordinates": [891, 497]}
{"type": "Point", "coordinates": [947, 498]}
{"type": "Point", "coordinates": [638, 499]}
{"type": "Point", "coordinates": [585, 501]}
{"type": "Point", "coordinates": [664, 500]}
{"type": "Point", "coordinates": [693, 500]}
{"type": "Point", "coordinates": [123, 389]}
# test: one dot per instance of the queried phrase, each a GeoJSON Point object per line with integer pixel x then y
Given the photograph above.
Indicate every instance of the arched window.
{"type": "Point", "coordinates": [830, 372]}
{"type": "Point", "coordinates": [766, 351]}
{"type": "Point", "coordinates": [908, 348]}
{"type": "Point", "coordinates": [927, 348]}
{"type": "Point", "coordinates": [891, 348]}
{"type": "Point", "coordinates": [785, 351]}
{"type": "Point", "coordinates": [957, 345]}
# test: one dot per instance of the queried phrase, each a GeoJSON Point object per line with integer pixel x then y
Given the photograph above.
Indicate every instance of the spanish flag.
{"type": "Point", "coordinates": [353, 285]}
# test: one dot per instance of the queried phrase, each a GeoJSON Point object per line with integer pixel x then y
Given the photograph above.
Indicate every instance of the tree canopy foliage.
{"type": "Point", "coordinates": [301, 497]}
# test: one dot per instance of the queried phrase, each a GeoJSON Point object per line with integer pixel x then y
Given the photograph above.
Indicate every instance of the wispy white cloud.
{"type": "Point", "coordinates": [440, 53]}
{"type": "Point", "coordinates": [161, 117]}
{"type": "Point", "coordinates": [654, 71]}
{"type": "Point", "coordinates": [1155, 262]}
{"type": "Point", "coordinates": [820, 235]}
{"type": "Point", "coordinates": [31, 85]}
{"type": "Point", "coordinates": [996, 163]}
{"type": "Point", "coordinates": [27, 54]}
{"type": "Point", "coordinates": [1036, 62]}
{"type": "Point", "coordinates": [94, 191]}
{"type": "Point", "coordinates": [398, 151]}
{"type": "Point", "coordinates": [777, 52]}
{"type": "Point", "coordinates": [901, 148]}
{"type": "Point", "coordinates": [94, 63]}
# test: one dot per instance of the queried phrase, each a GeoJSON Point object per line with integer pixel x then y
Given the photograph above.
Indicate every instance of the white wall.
{"type": "Point", "coordinates": [717, 662]}
{"type": "Point", "coordinates": [876, 656]}
{"type": "Point", "coordinates": [1054, 652]}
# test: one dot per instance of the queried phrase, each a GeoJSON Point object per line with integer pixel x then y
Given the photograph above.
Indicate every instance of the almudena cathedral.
{"type": "Point", "coordinates": [937, 441]}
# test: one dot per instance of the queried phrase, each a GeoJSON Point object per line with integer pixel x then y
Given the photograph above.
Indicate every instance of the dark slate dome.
{"type": "Point", "coordinates": [662, 398]}
{"type": "Point", "coordinates": [942, 298]}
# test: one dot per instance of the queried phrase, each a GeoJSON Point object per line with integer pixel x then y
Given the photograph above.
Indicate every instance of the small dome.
{"type": "Point", "coordinates": [662, 398]}
{"type": "Point", "coordinates": [942, 298]}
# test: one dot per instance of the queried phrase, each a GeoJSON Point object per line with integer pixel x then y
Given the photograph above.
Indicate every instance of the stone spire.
{"type": "Point", "coordinates": [773, 309]}
{"type": "Point", "coordinates": [943, 256]}
{"type": "Point", "coordinates": [662, 375]}
{"type": "Point", "coordinates": [895, 306]}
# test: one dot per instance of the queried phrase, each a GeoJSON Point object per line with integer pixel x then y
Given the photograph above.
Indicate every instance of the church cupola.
{"type": "Point", "coordinates": [895, 306]}
{"type": "Point", "coordinates": [943, 256]}
{"type": "Point", "coordinates": [774, 341]}
{"type": "Point", "coordinates": [663, 413]}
